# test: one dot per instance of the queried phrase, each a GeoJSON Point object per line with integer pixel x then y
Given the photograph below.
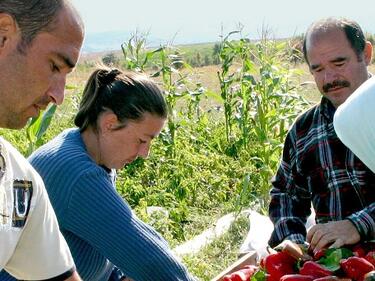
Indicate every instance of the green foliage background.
{"type": "Point", "coordinates": [218, 150]}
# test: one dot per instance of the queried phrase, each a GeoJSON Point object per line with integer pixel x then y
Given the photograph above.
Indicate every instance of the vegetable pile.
{"type": "Point", "coordinates": [291, 262]}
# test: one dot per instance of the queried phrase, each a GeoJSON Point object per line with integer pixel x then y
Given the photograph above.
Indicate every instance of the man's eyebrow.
{"type": "Point", "coordinates": [335, 60]}
{"type": "Point", "coordinates": [66, 60]}
{"type": "Point", "coordinates": [338, 59]}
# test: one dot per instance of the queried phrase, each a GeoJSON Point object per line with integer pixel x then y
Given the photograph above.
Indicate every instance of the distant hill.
{"type": "Point", "coordinates": [104, 41]}
{"type": "Point", "coordinates": [112, 40]}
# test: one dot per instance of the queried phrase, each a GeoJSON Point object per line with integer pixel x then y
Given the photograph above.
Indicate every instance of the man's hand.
{"type": "Point", "coordinates": [332, 234]}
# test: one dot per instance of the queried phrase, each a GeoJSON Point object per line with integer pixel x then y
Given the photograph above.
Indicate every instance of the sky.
{"type": "Point", "coordinates": [193, 21]}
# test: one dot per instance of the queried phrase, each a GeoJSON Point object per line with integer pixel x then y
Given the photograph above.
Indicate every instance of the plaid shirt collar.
{"type": "Point", "coordinates": [326, 109]}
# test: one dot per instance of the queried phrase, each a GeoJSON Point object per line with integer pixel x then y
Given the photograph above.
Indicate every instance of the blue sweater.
{"type": "Point", "coordinates": [101, 230]}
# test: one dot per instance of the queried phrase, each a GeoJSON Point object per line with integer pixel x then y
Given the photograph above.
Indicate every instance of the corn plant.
{"type": "Point", "coordinates": [275, 105]}
{"type": "Point", "coordinates": [37, 127]}
{"type": "Point", "coordinates": [173, 80]}
{"type": "Point", "coordinates": [227, 55]}
{"type": "Point", "coordinates": [194, 99]}
{"type": "Point", "coordinates": [136, 55]}
{"type": "Point", "coordinates": [260, 100]}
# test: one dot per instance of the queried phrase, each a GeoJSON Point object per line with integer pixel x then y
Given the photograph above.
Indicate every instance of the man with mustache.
{"type": "Point", "coordinates": [316, 167]}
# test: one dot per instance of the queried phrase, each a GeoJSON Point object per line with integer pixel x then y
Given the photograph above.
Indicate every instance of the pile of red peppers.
{"type": "Point", "coordinates": [356, 263]}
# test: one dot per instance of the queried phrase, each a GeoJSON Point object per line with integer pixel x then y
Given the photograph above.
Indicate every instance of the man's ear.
{"type": "Point", "coordinates": [368, 52]}
{"type": "Point", "coordinates": [108, 121]}
{"type": "Point", "coordinates": [8, 32]}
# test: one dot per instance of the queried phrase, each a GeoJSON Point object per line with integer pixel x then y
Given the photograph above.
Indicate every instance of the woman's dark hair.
{"type": "Point", "coordinates": [352, 30]}
{"type": "Point", "coordinates": [127, 94]}
{"type": "Point", "coordinates": [32, 16]}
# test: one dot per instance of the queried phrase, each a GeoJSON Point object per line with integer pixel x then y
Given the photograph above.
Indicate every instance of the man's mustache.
{"type": "Point", "coordinates": [336, 83]}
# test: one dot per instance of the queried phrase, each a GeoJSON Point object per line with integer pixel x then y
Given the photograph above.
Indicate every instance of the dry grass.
{"type": "Point", "coordinates": [206, 75]}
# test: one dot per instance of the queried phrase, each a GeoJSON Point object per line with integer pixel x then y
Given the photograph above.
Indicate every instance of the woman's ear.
{"type": "Point", "coordinates": [108, 122]}
{"type": "Point", "coordinates": [10, 34]}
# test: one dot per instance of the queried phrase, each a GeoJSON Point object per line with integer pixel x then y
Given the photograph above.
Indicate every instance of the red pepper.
{"type": "Point", "coordinates": [356, 267]}
{"type": "Point", "coordinates": [314, 269]}
{"type": "Point", "coordinates": [279, 264]}
{"type": "Point", "coordinates": [370, 257]}
{"type": "Point", "coordinates": [359, 250]}
{"type": "Point", "coordinates": [243, 274]}
{"type": "Point", "coordinates": [296, 277]}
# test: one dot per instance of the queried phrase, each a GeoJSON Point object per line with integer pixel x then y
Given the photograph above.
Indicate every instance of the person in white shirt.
{"type": "Point", "coordinates": [354, 123]}
{"type": "Point", "coordinates": [40, 41]}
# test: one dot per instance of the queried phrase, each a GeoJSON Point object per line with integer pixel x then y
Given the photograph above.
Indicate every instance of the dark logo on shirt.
{"type": "Point", "coordinates": [22, 194]}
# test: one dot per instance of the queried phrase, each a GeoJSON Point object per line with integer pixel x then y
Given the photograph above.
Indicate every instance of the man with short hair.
{"type": "Point", "coordinates": [316, 167]}
{"type": "Point", "coordinates": [40, 41]}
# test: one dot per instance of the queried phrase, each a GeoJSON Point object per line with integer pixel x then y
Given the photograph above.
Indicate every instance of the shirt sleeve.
{"type": "Point", "coordinates": [41, 253]}
{"type": "Point", "coordinates": [98, 215]}
{"type": "Point", "coordinates": [364, 221]}
{"type": "Point", "coordinates": [290, 203]}
{"type": "Point", "coordinates": [354, 123]}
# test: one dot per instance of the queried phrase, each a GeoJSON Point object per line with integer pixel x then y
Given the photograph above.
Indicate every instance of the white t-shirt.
{"type": "Point", "coordinates": [31, 245]}
{"type": "Point", "coordinates": [354, 123]}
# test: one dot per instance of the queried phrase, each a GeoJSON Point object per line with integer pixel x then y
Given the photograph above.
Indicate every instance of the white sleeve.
{"type": "Point", "coordinates": [41, 252]}
{"type": "Point", "coordinates": [354, 123]}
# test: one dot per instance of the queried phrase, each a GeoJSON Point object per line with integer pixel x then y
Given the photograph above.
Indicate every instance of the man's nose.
{"type": "Point", "coordinates": [330, 75]}
{"type": "Point", "coordinates": [57, 90]}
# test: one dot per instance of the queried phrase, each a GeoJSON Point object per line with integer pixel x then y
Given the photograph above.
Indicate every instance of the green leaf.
{"type": "Point", "coordinates": [260, 275]}
{"type": "Point", "coordinates": [46, 120]}
{"type": "Point", "coordinates": [70, 87]}
{"type": "Point", "coordinates": [37, 127]}
{"type": "Point", "coordinates": [332, 257]}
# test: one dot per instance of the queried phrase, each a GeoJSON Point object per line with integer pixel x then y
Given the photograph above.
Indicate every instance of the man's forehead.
{"type": "Point", "coordinates": [333, 43]}
{"type": "Point", "coordinates": [69, 33]}
{"type": "Point", "coordinates": [320, 35]}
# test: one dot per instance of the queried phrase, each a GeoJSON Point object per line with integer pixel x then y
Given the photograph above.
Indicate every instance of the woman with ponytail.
{"type": "Point", "coordinates": [119, 115]}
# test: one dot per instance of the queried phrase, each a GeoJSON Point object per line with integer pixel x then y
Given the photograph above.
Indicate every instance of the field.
{"type": "Point", "coordinates": [228, 120]}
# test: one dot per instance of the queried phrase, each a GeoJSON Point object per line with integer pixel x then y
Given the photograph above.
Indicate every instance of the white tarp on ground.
{"type": "Point", "coordinates": [260, 231]}
{"type": "Point", "coordinates": [256, 239]}
{"type": "Point", "coordinates": [194, 245]}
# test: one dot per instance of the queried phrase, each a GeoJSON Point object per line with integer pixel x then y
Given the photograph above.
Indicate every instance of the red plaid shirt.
{"type": "Point", "coordinates": [317, 168]}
